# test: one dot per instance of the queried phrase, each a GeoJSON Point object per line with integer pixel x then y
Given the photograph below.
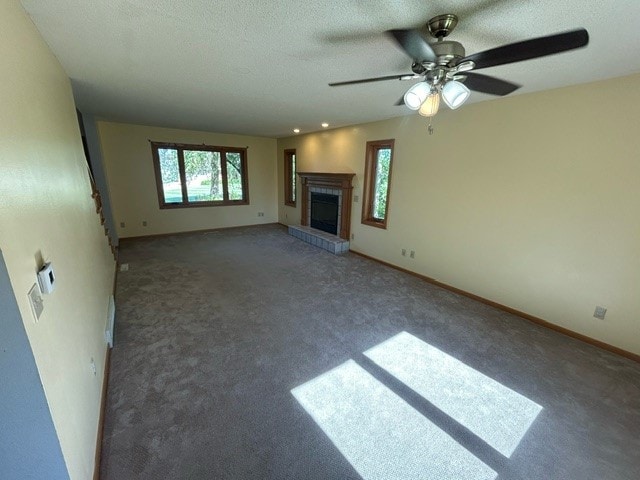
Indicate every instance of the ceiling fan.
{"type": "Point", "coordinates": [446, 71]}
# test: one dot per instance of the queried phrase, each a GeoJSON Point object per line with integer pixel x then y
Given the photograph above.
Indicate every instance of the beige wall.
{"type": "Point", "coordinates": [132, 185]}
{"type": "Point", "coordinates": [46, 210]}
{"type": "Point", "coordinates": [532, 201]}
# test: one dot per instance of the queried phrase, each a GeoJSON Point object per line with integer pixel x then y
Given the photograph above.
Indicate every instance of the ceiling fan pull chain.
{"type": "Point", "coordinates": [430, 127]}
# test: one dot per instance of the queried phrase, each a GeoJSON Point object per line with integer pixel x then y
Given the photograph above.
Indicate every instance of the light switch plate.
{"type": "Point", "coordinates": [37, 305]}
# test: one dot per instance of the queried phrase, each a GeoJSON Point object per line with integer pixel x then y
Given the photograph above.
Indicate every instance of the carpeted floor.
{"type": "Point", "coordinates": [215, 329]}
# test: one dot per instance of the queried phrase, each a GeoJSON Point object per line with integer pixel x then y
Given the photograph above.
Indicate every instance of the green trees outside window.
{"type": "Point", "coordinates": [381, 187]}
{"type": "Point", "coordinates": [290, 177]}
{"type": "Point", "coordinates": [200, 175]}
{"type": "Point", "coordinates": [377, 182]}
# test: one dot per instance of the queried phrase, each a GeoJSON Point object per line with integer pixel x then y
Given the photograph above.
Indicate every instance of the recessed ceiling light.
{"type": "Point", "coordinates": [325, 125]}
{"type": "Point", "coordinates": [296, 130]}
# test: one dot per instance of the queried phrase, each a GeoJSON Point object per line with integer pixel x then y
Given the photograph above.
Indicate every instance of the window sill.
{"type": "Point", "coordinates": [374, 223]}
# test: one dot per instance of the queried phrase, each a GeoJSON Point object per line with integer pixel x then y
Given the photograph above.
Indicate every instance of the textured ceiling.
{"type": "Point", "coordinates": [262, 68]}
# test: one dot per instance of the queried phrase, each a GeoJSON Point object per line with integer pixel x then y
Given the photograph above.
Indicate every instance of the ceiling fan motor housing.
{"type": "Point", "coordinates": [447, 51]}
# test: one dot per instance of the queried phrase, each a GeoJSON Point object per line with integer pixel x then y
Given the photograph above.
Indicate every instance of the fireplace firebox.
{"type": "Point", "coordinates": [324, 212]}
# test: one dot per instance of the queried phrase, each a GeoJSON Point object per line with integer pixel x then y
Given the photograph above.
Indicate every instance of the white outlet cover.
{"type": "Point", "coordinates": [124, 267]}
{"type": "Point", "coordinates": [37, 305]}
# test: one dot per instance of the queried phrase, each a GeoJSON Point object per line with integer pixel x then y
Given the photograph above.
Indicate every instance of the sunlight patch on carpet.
{"type": "Point", "coordinates": [493, 412]}
{"type": "Point", "coordinates": [380, 434]}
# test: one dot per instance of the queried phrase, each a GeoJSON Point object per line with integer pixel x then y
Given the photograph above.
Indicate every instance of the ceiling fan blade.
{"type": "Point", "coordinates": [414, 44]}
{"type": "Point", "coordinates": [374, 79]}
{"type": "Point", "coordinates": [486, 84]}
{"type": "Point", "coordinates": [527, 49]}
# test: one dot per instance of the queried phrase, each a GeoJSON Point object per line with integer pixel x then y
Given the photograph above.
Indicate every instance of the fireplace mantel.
{"type": "Point", "coordinates": [330, 181]}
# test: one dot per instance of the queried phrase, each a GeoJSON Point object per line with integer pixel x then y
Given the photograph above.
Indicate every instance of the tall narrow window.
{"type": "Point", "coordinates": [290, 177]}
{"type": "Point", "coordinates": [170, 174]}
{"type": "Point", "coordinates": [200, 175]}
{"type": "Point", "coordinates": [377, 179]}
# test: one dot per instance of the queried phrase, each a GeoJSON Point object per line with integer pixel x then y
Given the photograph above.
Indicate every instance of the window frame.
{"type": "Point", "coordinates": [290, 181]}
{"type": "Point", "coordinates": [368, 191]}
{"type": "Point", "coordinates": [181, 147]}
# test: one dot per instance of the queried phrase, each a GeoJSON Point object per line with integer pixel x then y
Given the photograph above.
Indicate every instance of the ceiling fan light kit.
{"type": "Point", "coordinates": [416, 95]}
{"type": "Point", "coordinates": [455, 94]}
{"type": "Point", "coordinates": [445, 70]}
{"type": "Point", "coordinates": [431, 105]}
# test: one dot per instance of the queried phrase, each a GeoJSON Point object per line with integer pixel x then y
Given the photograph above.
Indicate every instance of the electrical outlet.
{"type": "Point", "coordinates": [37, 305]}
{"type": "Point", "coordinates": [600, 312]}
{"type": "Point", "coordinates": [261, 214]}
{"type": "Point", "coordinates": [124, 267]}
{"type": "Point", "coordinates": [412, 254]}
{"type": "Point", "coordinates": [121, 224]}
{"type": "Point", "coordinates": [404, 252]}
{"type": "Point", "coordinates": [356, 198]}
{"type": "Point", "coordinates": [144, 223]}
{"type": "Point", "coordinates": [353, 235]}
{"type": "Point", "coordinates": [92, 367]}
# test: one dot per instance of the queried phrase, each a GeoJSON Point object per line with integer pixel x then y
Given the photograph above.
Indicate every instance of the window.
{"type": "Point", "coordinates": [200, 175]}
{"type": "Point", "coordinates": [290, 177]}
{"type": "Point", "coordinates": [377, 178]}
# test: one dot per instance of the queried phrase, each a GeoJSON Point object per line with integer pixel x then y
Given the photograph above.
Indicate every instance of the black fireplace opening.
{"type": "Point", "coordinates": [324, 212]}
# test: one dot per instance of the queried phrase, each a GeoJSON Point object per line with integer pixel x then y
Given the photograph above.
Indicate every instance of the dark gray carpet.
{"type": "Point", "coordinates": [215, 329]}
